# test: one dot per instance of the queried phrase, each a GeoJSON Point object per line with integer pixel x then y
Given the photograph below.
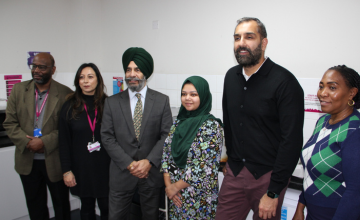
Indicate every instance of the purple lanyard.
{"type": "Point", "coordinates": [37, 111]}
{"type": "Point", "coordinates": [92, 125]}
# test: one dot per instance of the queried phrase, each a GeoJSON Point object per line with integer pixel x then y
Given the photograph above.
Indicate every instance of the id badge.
{"type": "Point", "coordinates": [93, 146]}
{"type": "Point", "coordinates": [37, 132]}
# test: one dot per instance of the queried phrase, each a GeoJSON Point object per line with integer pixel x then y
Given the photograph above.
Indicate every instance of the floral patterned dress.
{"type": "Point", "coordinates": [199, 200]}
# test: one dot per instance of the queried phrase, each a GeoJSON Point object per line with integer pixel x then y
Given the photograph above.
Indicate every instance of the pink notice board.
{"type": "Point", "coordinates": [10, 81]}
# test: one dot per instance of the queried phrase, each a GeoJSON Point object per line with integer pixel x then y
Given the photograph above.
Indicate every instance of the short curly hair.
{"type": "Point", "coordinates": [352, 80]}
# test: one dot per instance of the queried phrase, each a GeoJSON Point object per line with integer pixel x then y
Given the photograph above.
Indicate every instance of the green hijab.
{"type": "Point", "coordinates": [141, 58]}
{"type": "Point", "coordinates": [191, 121]}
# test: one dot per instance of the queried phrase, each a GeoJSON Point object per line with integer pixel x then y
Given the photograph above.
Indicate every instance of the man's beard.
{"type": "Point", "coordinates": [251, 59]}
{"type": "Point", "coordinates": [44, 78]}
{"type": "Point", "coordinates": [138, 87]}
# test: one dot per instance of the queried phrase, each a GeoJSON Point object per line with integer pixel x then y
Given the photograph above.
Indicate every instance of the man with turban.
{"type": "Point", "coordinates": [134, 126]}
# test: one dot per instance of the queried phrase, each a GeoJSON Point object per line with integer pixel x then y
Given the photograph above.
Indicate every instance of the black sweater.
{"type": "Point", "coordinates": [91, 170]}
{"type": "Point", "coordinates": [263, 122]}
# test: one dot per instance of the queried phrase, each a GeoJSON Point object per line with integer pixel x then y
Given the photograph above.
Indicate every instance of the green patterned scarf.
{"type": "Point", "coordinates": [191, 121]}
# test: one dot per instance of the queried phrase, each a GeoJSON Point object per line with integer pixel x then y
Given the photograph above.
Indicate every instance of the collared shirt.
{"type": "Point", "coordinates": [38, 125]}
{"type": "Point", "coordinates": [248, 77]}
{"type": "Point", "coordinates": [134, 99]}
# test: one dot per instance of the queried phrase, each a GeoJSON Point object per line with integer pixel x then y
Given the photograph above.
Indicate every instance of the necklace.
{"type": "Point", "coordinates": [328, 121]}
{"type": "Point", "coordinates": [326, 124]}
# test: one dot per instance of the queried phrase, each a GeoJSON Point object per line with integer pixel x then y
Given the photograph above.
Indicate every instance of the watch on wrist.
{"type": "Point", "coordinates": [272, 194]}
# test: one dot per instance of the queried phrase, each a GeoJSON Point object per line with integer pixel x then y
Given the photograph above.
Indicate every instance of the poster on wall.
{"type": "Point", "coordinates": [10, 81]}
{"type": "Point", "coordinates": [312, 103]}
{"type": "Point", "coordinates": [31, 55]}
{"type": "Point", "coordinates": [310, 87]}
{"type": "Point", "coordinates": [118, 84]}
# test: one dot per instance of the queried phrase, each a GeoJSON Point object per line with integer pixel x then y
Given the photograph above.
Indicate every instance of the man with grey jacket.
{"type": "Point", "coordinates": [134, 127]}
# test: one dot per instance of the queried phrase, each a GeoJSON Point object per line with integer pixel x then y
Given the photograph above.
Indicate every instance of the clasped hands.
{"type": "Point", "coordinates": [140, 168]}
{"type": "Point", "coordinates": [35, 145]}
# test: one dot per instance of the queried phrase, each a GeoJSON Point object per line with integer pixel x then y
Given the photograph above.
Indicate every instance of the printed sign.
{"type": "Point", "coordinates": [312, 103]}
{"type": "Point", "coordinates": [10, 81]}
{"type": "Point", "coordinates": [283, 213]}
{"type": "Point", "coordinates": [118, 84]}
{"type": "Point", "coordinates": [310, 87]}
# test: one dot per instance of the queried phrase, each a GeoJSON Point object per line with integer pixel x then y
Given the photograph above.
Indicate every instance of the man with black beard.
{"type": "Point", "coordinates": [31, 123]}
{"type": "Point", "coordinates": [134, 126]}
{"type": "Point", "coordinates": [263, 113]}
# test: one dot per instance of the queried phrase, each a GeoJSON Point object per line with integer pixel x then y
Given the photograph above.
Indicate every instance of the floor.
{"type": "Point", "coordinates": [135, 214]}
{"type": "Point", "coordinates": [135, 210]}
{"type": "Point", "coordinates": [75, 215]}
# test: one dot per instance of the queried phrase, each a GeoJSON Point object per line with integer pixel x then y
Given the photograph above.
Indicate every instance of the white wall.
{"type": "Point", "coordinates": [69, 29]}
{"type": "Point", "coordinates": [33, 26]}
{"type": "Point", "coordinates": [194, 38]}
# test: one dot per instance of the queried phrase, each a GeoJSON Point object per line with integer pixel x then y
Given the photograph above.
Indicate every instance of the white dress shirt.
{"type": "Point", "coordinates": [134, 99]}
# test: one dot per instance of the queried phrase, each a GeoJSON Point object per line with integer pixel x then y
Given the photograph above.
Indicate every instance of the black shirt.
{"type": "Point", "coordinates": [263, 122]}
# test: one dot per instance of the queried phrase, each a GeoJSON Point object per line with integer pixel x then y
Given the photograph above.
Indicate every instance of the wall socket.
{"type": "Point", "coordinates": [155, 24]}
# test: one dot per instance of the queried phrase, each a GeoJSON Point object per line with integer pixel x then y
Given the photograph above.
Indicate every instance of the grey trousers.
{"type": "Point", "coordinates": [120, 202]}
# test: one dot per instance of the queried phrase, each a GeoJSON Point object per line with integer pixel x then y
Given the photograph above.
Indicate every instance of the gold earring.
{"type": "Point", "coordinates": [351, 104]}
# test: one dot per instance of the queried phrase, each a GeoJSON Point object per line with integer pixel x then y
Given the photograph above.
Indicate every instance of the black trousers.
{"type": "Point", "coordinates": [35, 191]}
{"type": "Point", "coordinates": [87, 211]}
{"type": "Point", "coordinates": [120, 202]}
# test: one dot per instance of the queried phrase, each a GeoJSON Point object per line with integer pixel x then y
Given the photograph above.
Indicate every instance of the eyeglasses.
{"type": "Point", "coordinates": [41, 67]}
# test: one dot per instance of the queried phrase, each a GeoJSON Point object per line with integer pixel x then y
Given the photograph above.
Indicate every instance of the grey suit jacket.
{"type": "Point", "coordinates": [118, 137]}
{"type": "Point", "coordinates": [19, 122]}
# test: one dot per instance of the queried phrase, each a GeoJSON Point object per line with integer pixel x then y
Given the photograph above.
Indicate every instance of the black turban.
{"type": "Point", "coordinates": [141, 58]}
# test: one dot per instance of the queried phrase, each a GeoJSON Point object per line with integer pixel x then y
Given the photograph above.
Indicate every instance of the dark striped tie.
{"type": "Point", "coordinates": [138, 116]}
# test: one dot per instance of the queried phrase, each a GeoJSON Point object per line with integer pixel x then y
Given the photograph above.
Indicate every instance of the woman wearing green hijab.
{"type": "Point", "coordinates": [191, 156]}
